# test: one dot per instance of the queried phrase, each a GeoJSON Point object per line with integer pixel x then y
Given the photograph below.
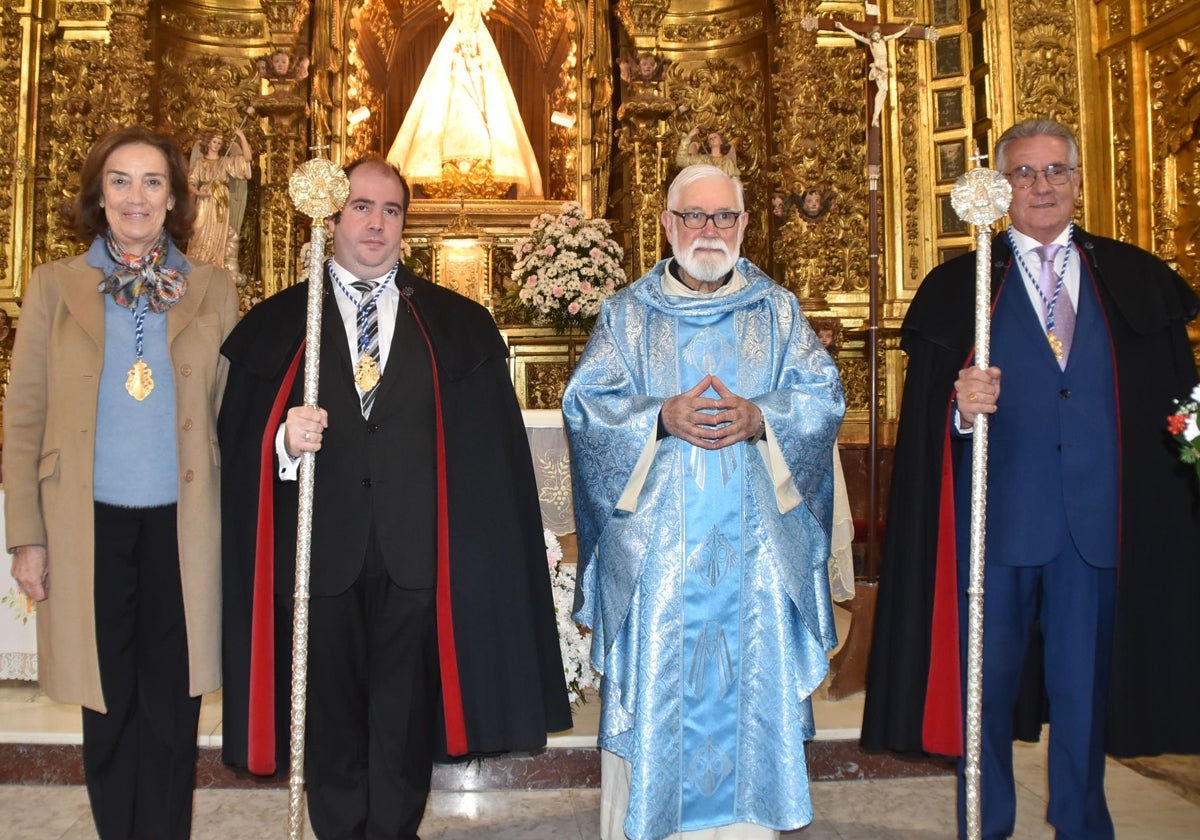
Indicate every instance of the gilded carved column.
{"type": "Point", "coordinates": [640, 140]}
{"type": "Point", "coordinates": [282, 103]}
{"type": "Point", "coordinates": [100, 40]}
{"type": "Point", "coordinates": [641, 135]}
{"type": "Point", "coordinates": [1174, 82]}
{"type": "Point", "coordinates": [20, 65]}
{"type": "Point", "coordinates": [597, 63]}
{"type": "Point", "coordinates": [127, 63]}
{"type": "Point", "coordinates": [1144, 147]}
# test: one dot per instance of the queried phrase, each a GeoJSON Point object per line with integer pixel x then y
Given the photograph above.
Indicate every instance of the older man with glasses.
{"type": "Point", "coordinates": [702, 420]}
{"type": "Point", "coordinates": [1093, 523]}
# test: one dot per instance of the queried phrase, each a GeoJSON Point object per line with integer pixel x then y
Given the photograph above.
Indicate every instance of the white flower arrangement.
{"type": "Point", "coordinates": [572, 643]}
{"type": "Point", "coordinates": [566, 265]}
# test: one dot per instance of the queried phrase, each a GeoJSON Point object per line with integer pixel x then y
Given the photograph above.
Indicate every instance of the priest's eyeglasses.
{"type": "Point", "coordinates": [1024, 177]}
{"type": "Point", "coordinates": [695, 220]}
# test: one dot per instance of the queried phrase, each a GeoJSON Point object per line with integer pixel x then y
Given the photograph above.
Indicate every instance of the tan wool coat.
{"type": "Point", "coordinates": [49, 446]}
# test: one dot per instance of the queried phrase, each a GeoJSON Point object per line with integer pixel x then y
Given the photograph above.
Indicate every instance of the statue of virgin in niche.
{"type": "Point", "coordinates": [464, 111]}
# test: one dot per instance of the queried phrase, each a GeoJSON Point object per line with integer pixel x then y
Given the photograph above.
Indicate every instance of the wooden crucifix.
{"type": "Point", "coordinates": [875, 37]}
{"type": "Point", "coordinates": [849, 666]}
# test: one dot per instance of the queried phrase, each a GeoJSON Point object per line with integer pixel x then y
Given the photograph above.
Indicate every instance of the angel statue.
{"type": "Point", "coordinates": [218, 177]}
{"type": "Point", "coordinates": [715, 151]}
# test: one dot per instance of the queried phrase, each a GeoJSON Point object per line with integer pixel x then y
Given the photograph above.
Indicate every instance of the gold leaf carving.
{"type": "Point", "coordinates": [375, 17]}
{"type": "Point", "coordinates": [820, 121]}
{"type": "Point", "coordinates": [1118, 16]}
{"type": "Point", "coordinates": [1045, 80]}
{"type": "Point", "coordinates": [224, 27]}
{"type": "Point", "coordinates": [640, 17]}
{"type": "Point", "coordinates": [285, 16]}
{"type": "Point", "coordinates": [82, 10]}
{"type": "Point", "coordinates": [1175, 118]}
{"type": "Point", "coordinates": [1158, 8]}
{"type": "Point", "coordinates": [909, 115]}
{"type": "Point", "coordinates": [549, 26]}
{"type": "Point", "coordinates": [1122, 143]}
{"type": "Point", "coordinates": [1175, 84]}
{"type": "Point", "coordinates": [727, 95]}
{"type": "Point", "coordinates": [202, 90]}
{"type": "Point", "coordinates": [714, 29]}
{"type": "Point", "coordinates": [544, 383]}
{"type": "Point", "coordinates": [12, 158]}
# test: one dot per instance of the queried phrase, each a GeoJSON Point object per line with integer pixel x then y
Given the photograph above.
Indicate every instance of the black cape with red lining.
{"type": "Point", "coordinates": [1154, 693]}
{"type": "Point", "coordinates": [505, 633]}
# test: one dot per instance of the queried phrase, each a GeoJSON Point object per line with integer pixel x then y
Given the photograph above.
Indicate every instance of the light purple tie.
{"type": "Point", "coordinates": [1061, 320]}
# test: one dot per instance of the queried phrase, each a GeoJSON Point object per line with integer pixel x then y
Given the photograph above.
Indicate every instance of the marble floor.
{"type": "Point", "coordinates": [894, 809]}
{"type": "Point", "coordinates": [1162, 802]}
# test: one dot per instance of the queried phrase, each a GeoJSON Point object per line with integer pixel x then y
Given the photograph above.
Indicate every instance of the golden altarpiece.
{"type": "Point", "coordinates": [607, 91]}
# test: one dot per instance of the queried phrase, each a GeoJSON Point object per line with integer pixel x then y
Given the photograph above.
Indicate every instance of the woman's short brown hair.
{"type": "Point", "coordinates": [86, 216]}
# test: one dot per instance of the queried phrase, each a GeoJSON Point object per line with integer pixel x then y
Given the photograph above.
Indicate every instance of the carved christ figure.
{"type": "Point", "coordinates": [464, 110]}
{"type": "Point", "coordinates": [876, 42]}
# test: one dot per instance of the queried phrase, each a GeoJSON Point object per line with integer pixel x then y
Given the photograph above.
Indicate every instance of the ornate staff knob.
{"type": "Point", "coordinates": [319, 188]}
{"type": "Point", "coordinates": [981, 196]}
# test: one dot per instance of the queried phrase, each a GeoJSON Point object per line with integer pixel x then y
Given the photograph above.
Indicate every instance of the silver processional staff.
{"type": "Point", "coordinates": [318, 188]}
{"type": "Point", "coordinates": [980, 197]}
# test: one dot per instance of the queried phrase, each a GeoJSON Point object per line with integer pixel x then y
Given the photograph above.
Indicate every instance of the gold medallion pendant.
{"type": "Point", "coordinates": [366, 372]}
{"type": "Point", "coordinates": [139, 383]}
{"type": "Point", "coordinates": [1056, 345]}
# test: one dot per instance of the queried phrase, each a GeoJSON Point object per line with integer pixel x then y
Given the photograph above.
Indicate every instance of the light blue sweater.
{"type": "Point", "coordinates": [136, 463]}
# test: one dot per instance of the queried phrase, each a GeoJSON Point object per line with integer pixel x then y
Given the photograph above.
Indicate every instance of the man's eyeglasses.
{"type": "Point", "coordinates": [1024, 177]}
{"type": "Point", "coordinates": [694, 219]}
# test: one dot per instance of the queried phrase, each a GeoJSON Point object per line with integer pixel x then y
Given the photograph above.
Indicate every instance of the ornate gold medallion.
{"type": "Point", "coordinates": [366, 372]}
{"type": "Point", "coordinates": [139, 383]}
{"type": "Point", "coordinates": [1056, 345]}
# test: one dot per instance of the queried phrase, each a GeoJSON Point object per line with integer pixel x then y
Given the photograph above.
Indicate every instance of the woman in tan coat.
{"type": "Point", "coordinates": [111, 476]}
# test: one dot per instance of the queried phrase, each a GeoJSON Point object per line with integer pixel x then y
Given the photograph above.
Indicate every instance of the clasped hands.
{"type": "Point", "coordinates": [976, 391]}
{"type": "Point", "coordinates": [707, 422]}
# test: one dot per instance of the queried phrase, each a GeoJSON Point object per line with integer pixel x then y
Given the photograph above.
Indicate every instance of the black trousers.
{"type": "Point", "coordinates": [139, 758]}
{"type": "Point", "coordinates": [372, 699]}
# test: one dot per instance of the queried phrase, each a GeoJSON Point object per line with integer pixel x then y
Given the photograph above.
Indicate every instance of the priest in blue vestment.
{"type": "Point", "coordinates": [702, 420]}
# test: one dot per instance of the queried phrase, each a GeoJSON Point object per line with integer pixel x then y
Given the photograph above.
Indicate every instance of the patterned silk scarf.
{"type": "Point", "coordinates": [133, 275]}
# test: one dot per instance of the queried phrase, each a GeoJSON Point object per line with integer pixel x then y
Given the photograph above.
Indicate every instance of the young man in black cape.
{"type": "Point", "coordinates": [432, 629]}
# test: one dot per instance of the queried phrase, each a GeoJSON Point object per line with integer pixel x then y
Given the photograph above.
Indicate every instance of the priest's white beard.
{"type": "Point", "coordinates": [706, 267]}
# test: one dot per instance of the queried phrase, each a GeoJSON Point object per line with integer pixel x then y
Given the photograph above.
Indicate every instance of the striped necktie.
{"type": "Point", "coordinates": [368, 338]}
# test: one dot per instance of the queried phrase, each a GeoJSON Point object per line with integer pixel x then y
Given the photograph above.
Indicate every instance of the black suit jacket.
{"type": "Point", "coordinates": [511, 687]}
{"type": "Point", "coordinates": [376, 475]}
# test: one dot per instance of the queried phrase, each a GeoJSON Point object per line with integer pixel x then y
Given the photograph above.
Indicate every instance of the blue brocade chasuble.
{"type": "Point", "coordinates": [709, 603]}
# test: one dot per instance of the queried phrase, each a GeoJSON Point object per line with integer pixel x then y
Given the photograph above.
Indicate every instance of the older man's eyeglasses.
{"type": "Point", "coordinates": [694, 219]}
{"type": "Point", "coordinates": [1024, 177]}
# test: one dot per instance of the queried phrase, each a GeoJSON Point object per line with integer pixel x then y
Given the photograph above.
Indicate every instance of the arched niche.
{"type": "Point", "coordinates": [551, 67]}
